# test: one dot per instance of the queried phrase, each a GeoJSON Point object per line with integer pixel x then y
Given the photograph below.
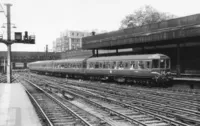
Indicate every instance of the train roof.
{"type": "Point", "coordinates": [110, 58]}
{"type": "Point", "coordinates": [131, 57]}
{"type": "Point", "coordinates": [70, 60]}
{"type": "Point", "coordinates": [58, 61]}
{"type": "Point", "coordinates": [38, 62]}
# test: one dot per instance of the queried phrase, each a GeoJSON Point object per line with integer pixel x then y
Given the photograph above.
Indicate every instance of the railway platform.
{"type": "Point", "coordinates": [15, 107]}
{"type": "Point", "coordinates": [195, 79]}
{"type": "Point", "coordinates": [186, 82]}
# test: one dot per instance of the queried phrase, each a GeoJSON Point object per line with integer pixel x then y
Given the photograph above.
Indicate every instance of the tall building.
{"type": "Point", "coordinates": [58, 45]}
{"type": "Point", "coordinates": [69, 40]}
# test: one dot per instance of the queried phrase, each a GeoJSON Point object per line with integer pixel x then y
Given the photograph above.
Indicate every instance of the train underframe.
{"type": "Point", "coordinates": [160, 81]}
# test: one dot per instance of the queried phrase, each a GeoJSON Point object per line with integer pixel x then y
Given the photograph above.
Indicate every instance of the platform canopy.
{"type": "Point", "coordinates": [178, 30]}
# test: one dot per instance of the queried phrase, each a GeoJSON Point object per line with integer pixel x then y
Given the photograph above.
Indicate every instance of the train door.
{"type": "Point", "coordinates": [84, 66]}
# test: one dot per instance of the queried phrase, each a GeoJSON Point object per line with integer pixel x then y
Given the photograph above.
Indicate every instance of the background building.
{"type": "Point", "coordinates": [69, 40]}
{"type": "Point", "coordinates": [19, 60]}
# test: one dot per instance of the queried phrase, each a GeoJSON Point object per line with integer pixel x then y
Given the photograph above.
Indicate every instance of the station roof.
{"type": "Point", "coordinates": [128, 57]}
{"type": "Point", "coordinates": [18, 56]}
{"type": "Point", "coordinates": [164, 32]}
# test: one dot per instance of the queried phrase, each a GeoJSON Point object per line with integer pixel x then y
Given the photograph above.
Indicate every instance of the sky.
{"type": "Point", "coordinates": [47, 18]}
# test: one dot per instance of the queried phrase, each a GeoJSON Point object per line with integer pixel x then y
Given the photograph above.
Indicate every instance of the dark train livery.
{"type": "Point", "coordinates": [144, 69]}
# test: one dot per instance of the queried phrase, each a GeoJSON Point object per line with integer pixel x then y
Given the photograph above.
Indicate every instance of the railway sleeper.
{"type": "Point", "coordinates": [187, 120]}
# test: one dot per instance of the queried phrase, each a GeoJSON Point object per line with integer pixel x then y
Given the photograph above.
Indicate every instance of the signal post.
{"type": "Point", "coordinates": [18, 39]}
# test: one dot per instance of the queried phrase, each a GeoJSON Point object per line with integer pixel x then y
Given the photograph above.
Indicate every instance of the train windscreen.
{"type": "Point", "coordinates": [155, 63]}
{"type": "Point", "coordinates": [164, 63]}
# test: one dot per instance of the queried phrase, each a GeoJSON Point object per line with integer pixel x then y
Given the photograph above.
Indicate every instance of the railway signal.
{"type": "Point", "coordinates": [26, 39]}
{"type": "Point", "coordinates": [9, 42]}
{"type": "Point", "coordinates": [18, 36]}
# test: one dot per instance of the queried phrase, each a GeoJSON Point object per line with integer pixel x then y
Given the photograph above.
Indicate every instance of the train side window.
{"type": "Point", "coordinates": [126, 65]}
{"type": "Point", "coordinates": [107, 65]}
{"type": "Point", "coordinates": [79, 65]}
{"type": "Point", "coordinates": [140, 65]}
{"type": "Point", "coordinates": [120, 65]}
{"type": "Point", "coordinates": [62, 66]}
{"type": "Point", "coordinates": [88, 65]}
{"type": "Point", "coordinates": [100, 65]}
{"type": "Point", "coordinates": [132, 65]}
{"type": "Point", "coordinates": [67, 65]}
{"type": "Point", "coordinates": [103, 65]}
{"type": "Point", "coordinates": [114, 65]}
{"type": "Point", "coordinates": [75, 65]}
{"type": "Point", "coordinates": [148, 64]}
{"type": "Point", "coordinates": [97, 65]}
{"type": "Point", "coordinates": [91, 65]}
{"type": "Point", "coordinates": [155, 63]}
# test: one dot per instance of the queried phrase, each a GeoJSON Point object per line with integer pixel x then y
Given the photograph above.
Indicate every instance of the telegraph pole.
{"type": "Point", "coordinates": [9, 72]}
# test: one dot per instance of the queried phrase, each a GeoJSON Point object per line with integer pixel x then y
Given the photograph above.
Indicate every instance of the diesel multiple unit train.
{"type": "Point", "coordinates": [147, 69]}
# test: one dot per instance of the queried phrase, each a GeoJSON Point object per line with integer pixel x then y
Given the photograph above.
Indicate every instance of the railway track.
{"type": "Point", "coordinates": [107, 120]}
{"type": "Point", "coordinates": [187, 101]}
{"type": "Point", "coordinates": [57, 112]}
{"type": "Point", "coordinates": [156, 119]}
{"type": "Point", "coordinates": [120, 110]}
{"type": "Point", "coordinates": [2, 78]}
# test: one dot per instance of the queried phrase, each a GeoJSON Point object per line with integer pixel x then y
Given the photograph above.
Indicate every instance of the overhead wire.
{"type": "Point", "coordinates": [3, 9]}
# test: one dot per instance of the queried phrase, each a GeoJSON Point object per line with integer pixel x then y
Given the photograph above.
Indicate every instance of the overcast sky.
{"type": "Point", "coordinates": [47, 18]}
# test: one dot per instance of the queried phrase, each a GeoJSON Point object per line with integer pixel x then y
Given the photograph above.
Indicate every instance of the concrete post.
{"type": "Point", "coordinates": [9, 72]}
{"type": "Point", "coordinates": [178, 67]}
{"type": "Point", "coordinates": [93, 52]}
{"type": "Point", "coordinates": [4, 66]}
{"type": "Point", "coordinates": [97, 53]}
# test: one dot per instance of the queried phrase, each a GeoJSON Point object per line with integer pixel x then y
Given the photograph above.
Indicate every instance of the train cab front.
{"type": "Point", "coordinates": [161, 71]}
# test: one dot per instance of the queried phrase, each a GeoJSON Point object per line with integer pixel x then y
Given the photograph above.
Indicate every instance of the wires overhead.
{"type": "Point", "coordinates": [2, 10]}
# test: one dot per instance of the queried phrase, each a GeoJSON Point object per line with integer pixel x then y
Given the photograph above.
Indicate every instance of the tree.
{"type": "Point", "coordinates": [144, 15]}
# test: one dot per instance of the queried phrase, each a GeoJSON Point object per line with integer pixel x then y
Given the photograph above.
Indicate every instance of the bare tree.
{"type": "Point", "coordinates": [144, 15]}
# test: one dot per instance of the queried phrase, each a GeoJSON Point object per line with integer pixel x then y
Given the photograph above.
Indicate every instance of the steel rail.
{"type": "Point", "coordinates": [60, 103]}
{"type": "Point", "coordinates": [129, 106]}
{"type": "Point", "coordinates": [49, 123]}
